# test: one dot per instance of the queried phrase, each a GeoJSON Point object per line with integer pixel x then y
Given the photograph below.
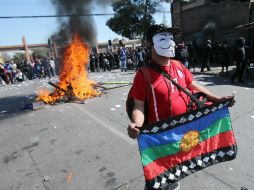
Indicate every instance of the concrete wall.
{"type": "Point", "coordinates": [102, 47]}
{"type": "Point", "coordinates": [1, 58]}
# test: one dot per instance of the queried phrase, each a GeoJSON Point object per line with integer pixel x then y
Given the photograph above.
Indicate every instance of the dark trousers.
{"type": "Point", "coordinates": [224, 63]}
{"type": "Point", "coordinates": [10, 77]}
{"type": "Point", "coordinates": [19, 80]}
{"type": "Point", "coordinates": [205, 63]}
{"type": "Point", "coordinates": [240, 71]}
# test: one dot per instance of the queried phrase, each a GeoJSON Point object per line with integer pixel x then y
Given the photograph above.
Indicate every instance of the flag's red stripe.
{"type": "Point", "coordinates": [161, 165]}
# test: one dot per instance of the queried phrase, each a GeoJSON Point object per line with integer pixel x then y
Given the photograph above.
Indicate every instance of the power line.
{"type": "Point", "coordinates": [64, 15]}
{"type": "Point", "coordinates": [54, 16]}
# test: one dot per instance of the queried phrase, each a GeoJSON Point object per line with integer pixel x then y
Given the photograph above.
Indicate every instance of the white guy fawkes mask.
{"type": "Point", "coordinates": [164, 44]}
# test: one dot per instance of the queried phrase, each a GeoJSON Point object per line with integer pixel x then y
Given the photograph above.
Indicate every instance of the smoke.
{"type": "Point", "coordinates": [84, 25]}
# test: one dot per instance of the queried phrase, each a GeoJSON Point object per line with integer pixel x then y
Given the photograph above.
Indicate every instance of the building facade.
{"type": "Point", "coordinates": [201, 20]}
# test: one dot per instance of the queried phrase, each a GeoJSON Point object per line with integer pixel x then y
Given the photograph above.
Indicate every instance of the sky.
{"type": "Point", "coordinates": [37, 30]}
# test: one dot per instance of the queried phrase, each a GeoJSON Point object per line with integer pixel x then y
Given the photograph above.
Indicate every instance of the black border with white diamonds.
{"type": "Point", "coordinates": [173, 122]}
{"type": "Point", "coordinates": [191, 166]}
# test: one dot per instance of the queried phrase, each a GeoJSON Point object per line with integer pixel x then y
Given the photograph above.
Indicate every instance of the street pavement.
{"type": "Point", "coordinates": [85, 146]}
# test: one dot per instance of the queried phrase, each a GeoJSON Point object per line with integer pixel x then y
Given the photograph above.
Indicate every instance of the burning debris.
{"type": "Point", "coordinates": [74, 84]}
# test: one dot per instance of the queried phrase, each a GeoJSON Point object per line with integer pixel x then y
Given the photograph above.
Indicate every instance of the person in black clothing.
{"type": "Point", "coordinates": [24, 68]}
{"type": "Point", "coordinates": [216, 50]}
{"type": "Point", "coordinates": [102, 64]}
{"type": "Point", "coordinates": [97, 64]}
{"type": "Point", "coordinates": [116, 57]}
{"type": "Point", "coordinates": [148, 57]}
{"type": "Point", "coordinates": [141, 58]}
{"type": "Point", "coordinates": [193, 58]}
{"type": "Point", "coordinates": [182, 54]}
{"type": "Point", "coordinates": [240, 58]}
{"type": "Point", "coordinates": [30, 70]}
{"type": "Point", "coordinates": [218, 54]}
{"type": "Point", "coordinates": [111, 59]}
{"type": "Point", "coordinates": [46, 67]}
{"type": "Point", "coordinates": [3, 74]}
{"type": "Point", "coordinates": [225, 55]}
{"type": "Point", "coordinates": [208, 53]}
{"type": "Point", "coordinates": [92, 62]}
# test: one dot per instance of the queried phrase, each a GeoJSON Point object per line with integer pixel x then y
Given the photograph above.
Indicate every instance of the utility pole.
{"type": "Point", "coordinates": [26, 48]}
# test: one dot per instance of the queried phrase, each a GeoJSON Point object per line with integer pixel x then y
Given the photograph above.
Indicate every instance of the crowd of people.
{"type": "Point", "coordinates": [123, 58]}
{"type": "Point", "coordinates": [217, 53]}
{"type": "Point", "coordinates": [20, 70]}
{"type": "Point", "coordinates": [191, 55]}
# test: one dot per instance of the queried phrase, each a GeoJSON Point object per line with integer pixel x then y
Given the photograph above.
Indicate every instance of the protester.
{"type": "Point", "coordinates": [208, 54]}
{"type": "Point", "coordinates": [14, 69]}
{"type": "Point", "coordinates": [2, 81]}
{"type": "Point", "coordinates": [193, 58]}
{"type": "Point", "coordinates": [38, 68]}
{"type": "Point", "coordinates": [52, 66]}
{"type": "Point", "coordinates": [216, 53]}
{"type": "Point", "coordinates": [111, 59]}
{"type": "Point", "coordinates": [92, 62]}
{"type": "Point", "coordinates": [106, 65]}
{"type": "Point", "coordinates": [116, 57]}
{"type": "Point", "coordinates": [109, 48]}
{"type": "Point", "coordinates": [31, 69]}
{"type": "Point", "coordinates": [19, 76]}
{"type": "Point", "coordinates": [130, 63]}
{"type": "Point", "coordinates": [166, 100]}
{"type": "Point", "coordinates": [46, 67]}
{"type": "Point", "coordinates": [225, 56]}
{"type": "Point", "coordinates": [240, 59]}
{"type": "Point", "coordinates": [22, 66]}
{"type": "Point", "coordinates": [3, 75]}
{"type": "Point", "coordinates": [141, 58]}
{"type": "Point", "coordinates": [182, 54]}
{"type": "Point", "coordinates": [9, 70]}
{"type": "Point", "coordinates": [123, 59]}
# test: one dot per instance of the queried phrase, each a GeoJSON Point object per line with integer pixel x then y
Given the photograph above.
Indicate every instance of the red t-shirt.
{"type": "Point", "coordinates": [165, 99]}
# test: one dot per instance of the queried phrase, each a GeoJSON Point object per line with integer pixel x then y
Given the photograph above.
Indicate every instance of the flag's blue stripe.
{"type": "Point", "coordinates": [176, 134]}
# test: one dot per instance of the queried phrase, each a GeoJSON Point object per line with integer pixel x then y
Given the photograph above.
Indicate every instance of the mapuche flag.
{"type": "Point", "coordinates": [177, 147]}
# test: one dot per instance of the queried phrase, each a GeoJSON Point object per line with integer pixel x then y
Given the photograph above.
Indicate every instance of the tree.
{"type": "Point", "coordinates": [18, 56]}
{"type": "Point", "coordinates": [132, 17]}
{"type": "Point", "coordinates": [40, 53]}
{"type": "Point", "coordinates": [6, 57]}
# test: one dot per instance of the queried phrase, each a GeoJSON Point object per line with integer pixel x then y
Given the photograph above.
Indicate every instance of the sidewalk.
{"type": "Point", "coordinates": [216, 70]}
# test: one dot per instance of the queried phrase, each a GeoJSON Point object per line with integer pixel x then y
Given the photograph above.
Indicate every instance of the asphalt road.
{"type": "Point", "coordinates": [85, 146]}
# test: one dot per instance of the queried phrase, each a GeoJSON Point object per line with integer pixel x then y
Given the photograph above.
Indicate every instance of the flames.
{"type": "Point", "coordinates": [73, 79]}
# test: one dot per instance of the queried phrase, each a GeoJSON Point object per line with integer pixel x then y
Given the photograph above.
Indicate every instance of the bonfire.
{"type": "Point", "coordinates": [74, 84]}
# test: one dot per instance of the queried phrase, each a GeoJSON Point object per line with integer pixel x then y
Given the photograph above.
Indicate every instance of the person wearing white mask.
{"type": "Point", "coordinates": [165, 99]}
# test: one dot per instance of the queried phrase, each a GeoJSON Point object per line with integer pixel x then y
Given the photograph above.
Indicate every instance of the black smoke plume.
{"type": "Point", "coordinates": [84, 25]}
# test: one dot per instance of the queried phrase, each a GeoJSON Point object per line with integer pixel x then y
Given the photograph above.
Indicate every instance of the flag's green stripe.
{"type": "Point", "coordinates": [151, 154]}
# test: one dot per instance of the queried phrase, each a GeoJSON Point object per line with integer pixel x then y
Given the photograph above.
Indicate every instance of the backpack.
{"type": "Point", "coordinates": [130, 100]}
